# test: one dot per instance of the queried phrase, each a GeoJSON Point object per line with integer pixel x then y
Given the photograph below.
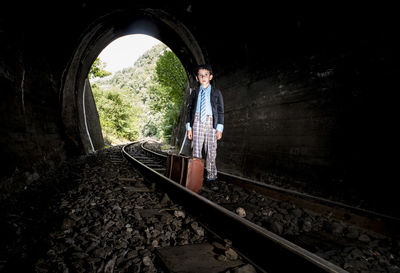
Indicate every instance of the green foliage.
{"type": "Point", "coordinates": [167, 96]}
{"type": "Point", "coordinates": [98, 70]}
{"type": "Point", "coordinates": [143, 100]}
{"type": "Point", "coordinates": [117, 116]}
{"type": "Point", "coordinates": [172, 76]}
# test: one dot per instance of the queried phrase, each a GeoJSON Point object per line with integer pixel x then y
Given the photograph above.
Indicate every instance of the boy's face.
{"type": "Point", "coordinates": [204, 77]}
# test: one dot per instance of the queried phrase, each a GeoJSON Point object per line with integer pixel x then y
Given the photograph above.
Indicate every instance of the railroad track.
{"type": "Point", "coordinates": [374, 221]}
{"type": "Point", "coordinates": [265, 250]}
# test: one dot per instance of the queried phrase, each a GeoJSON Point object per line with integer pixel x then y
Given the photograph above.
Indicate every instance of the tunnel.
{"type": "Point", "coordinates": [308, 90]}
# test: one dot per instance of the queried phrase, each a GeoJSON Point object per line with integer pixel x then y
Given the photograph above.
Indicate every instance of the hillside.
{"type": "Point", "coordinates": [138, 78]}
{"type": "Point", "coordinates": [135, 98]}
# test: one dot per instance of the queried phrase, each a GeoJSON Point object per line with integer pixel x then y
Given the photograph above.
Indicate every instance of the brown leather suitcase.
{"type": "Point", "coordinates": [195, 174]}
{"type": "Point", "coordinates": [177, 168]}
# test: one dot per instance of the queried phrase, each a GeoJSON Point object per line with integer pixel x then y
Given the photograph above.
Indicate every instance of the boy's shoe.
{"type": "Point", "coordinates": [213, 184]}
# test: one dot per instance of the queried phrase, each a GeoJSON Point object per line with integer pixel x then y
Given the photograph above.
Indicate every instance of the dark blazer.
{"type": "Point", "coordinates": [217, 106]}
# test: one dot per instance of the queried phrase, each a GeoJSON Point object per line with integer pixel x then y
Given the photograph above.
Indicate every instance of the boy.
{"type": "Point", "coordinates": [205, 119]}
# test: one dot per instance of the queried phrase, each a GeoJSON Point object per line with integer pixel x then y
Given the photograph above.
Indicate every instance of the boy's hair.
{"type": "Point", "coordinates": [202, 66]}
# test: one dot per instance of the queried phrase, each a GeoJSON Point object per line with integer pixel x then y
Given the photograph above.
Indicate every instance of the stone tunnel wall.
{"type": "Point", "coordinates": [308, 90]}
{"type": "Point", "coordinates": [283, 126]}
{"type": "Point", "coordinates": [29, 115]}
{"type": "Point", "coordinates": [92, 123]}
{"type": "Point", "coordinates": [308, 98]}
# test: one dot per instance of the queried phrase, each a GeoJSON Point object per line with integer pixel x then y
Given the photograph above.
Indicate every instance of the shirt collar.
{"type": "Point", "coordinates": [205, 89]}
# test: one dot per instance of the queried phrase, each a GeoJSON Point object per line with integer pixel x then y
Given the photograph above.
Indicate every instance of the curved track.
{"type": "Point", "coordinates": [369, 220]}
{"type": "Point", "coordinates": [266, 250]}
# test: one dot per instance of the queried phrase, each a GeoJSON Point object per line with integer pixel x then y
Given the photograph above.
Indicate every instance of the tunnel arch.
{"type": "Point", "coordinates": [153, 22]}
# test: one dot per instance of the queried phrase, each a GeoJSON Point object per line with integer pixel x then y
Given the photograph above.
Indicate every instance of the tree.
{"type": "Point", "coordinates": [168, 95]}
{"type": "Point", "coordinates": [98, 69]}
{"type": "Point", "coordinates": [143, 100]}
{"type": "Point", "coordinates": [117, 116]}
{"type": "Point", "coordinates": [172, 76]}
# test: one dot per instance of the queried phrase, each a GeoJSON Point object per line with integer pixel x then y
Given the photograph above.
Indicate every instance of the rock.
{"type": "Point", "coordinates": [147, 261]}
{"type": "Point", "coordinates": [393, 269]}
{"type": "Point", "coordinates": [364, 238]}
{"type": "Point", "coordinates": [247, 268]}
{"type": "Point", "coordinates": [286, 205]}
{"type": "Point", "coordinates": [107, 217]}
{"type": "Point", "coordinates": [155, 243]}
{"type": "Point", "coordinates": [335, 228]}
{"type": "Point", "coordinates": [307, 226]}
{"type": "Point", "coordinates": [132, 254]}
{"type": "Point", "coordinates": [249, 215]}
{"type": "Point", "coordinates": [282, 211]}
{"type": "Point", "coordinates": [79, 255]}
{"type": "Point", "coordinates": [291, 228]}
{"type": "Point", "coordinates": [222, 258]}
{"type": "Point", "coordinates": [199, 230]}
{"type": "Point", "coordinates": [241, 212]}
{"type": "Point", "coordinates": [231, 254]}
{"type": "Point", "coordinates": [297, 212]}
{"type": "Point", "coordinates": [109, 268]}
{"type": "Point", "coordinates": [228, 243]}
{"type": "Point", "coordinates": [219, 248]}
{"type": "Point", "coordinates": [165, 200]}
{"type": "Point", "coordinates": [276, 228]}
{"type": "Point", "coordinates": [68, 224]}
{"type": "Point", "coordinates": [41, 266]}
{"type": "Point", "coordinates": [373, 244]}
{"type": "Point", "coordinates": [214, 187]}
{"type": "Point", "coordinates": [352, 233]}
{"type": "Point", "coordinates": [69, 241]}
{"type": "Point", "coordinates": [356, 253]}
{"type": "Point", "coordinates": [268, 213]}
{"type": "Point", "coordinates": [179, 214]}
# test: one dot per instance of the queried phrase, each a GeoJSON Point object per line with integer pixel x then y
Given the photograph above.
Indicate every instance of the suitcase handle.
{"type": "Point", "coordinates": [183, 144]}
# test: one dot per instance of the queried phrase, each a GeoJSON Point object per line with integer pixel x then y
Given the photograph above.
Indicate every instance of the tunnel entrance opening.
{"type": "Point", "coordinates": [152, 22]}
{"type": "Point", "coordinates": [140, 95]}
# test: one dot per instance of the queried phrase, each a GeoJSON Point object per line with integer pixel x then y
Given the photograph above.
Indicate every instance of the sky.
{"type": "Point", "coordinates": [124, 51]}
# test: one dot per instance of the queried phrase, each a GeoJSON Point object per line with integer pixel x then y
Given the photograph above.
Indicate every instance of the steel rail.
{"type": "Point", "coordinates": [265, 249]}
{"type": "Point", "coordinates": [370, 220]}
{"type": "Point", "coordinates": [152, 152]}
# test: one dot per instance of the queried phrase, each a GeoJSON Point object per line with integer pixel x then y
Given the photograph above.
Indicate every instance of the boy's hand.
{"type": "Point", "coordinates": [189, 134]}
{"type": "Point", "coordinates": [219, 135]}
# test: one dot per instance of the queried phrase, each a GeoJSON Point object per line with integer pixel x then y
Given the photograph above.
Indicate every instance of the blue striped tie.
{"type": "Point", "coordinates": [203, 106]}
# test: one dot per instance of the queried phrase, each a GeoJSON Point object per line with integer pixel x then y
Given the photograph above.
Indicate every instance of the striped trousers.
{"type": "Point", "coordinates": [204, 136]}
